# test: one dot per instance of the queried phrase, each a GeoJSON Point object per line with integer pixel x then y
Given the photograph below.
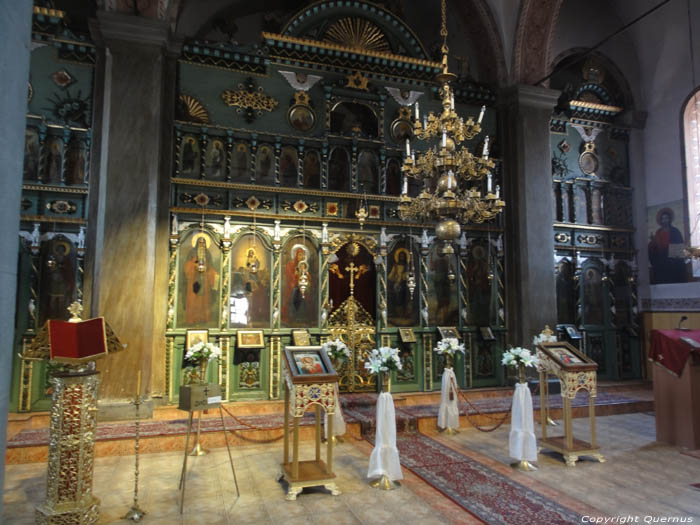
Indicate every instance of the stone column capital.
{"type": "Point", "coordinates": [113, 28]}
{"type": "Point", "coordinates": [534, 97]}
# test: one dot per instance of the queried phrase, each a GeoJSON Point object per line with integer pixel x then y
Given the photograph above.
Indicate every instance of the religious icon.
{"type": "Point", "coordinates": [265, 167]}
{"type": "Point", "coordinates": [55, 162]}
{"type": "Point", "coordinates": [368, 172]}
{"type": "Point", "coordinates": [250, 339]}
{"type": "Point", "coordinates": [442, 291]}
{"type": "Point", "coordinates": [478, 284]}
{"type": "Point", "coordinates": [312, 170]}
{"type": "Point", "coordinates": [31, 154]}
{"type": "Point", "coordinates": [301, 118]}
{"type": "Point", "coordinates": [215, 160]}
{"type": "Point", "coordinates": [250, 283]}
{"type": "Point", "coordinates": [240, 163]}
{"type": "Point", "coordinates": [189, 163]}
{"type": "Point", "coordinates": [198, 305]}
{"type": "Point", "coordinates": [393, 177]}
{"type": "Point", "coordinates": [339, 171]}
{"type": "Point", "coordinates": [592, 294]}
{"type": "Point", "coordinates": [309, 363]}
{"type": "Point", "coordinates": [289, 166]}
{"type": "Point", "coordinates": [402, 305]}
{"type": "Point", "coordinates": [299, 283]}
{"type": "Point", "coordinates": [196, 336]}
{"type": "Point", "coordinates": [666, 266]}
{"type": "Point", "coordinates": [75, 162]}
{"type": "Point", "coordinates": [57, 279]}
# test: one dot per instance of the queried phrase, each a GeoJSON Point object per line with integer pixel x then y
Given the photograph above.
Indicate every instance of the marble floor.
{"type": "Point", "coordinates": [640, 478]}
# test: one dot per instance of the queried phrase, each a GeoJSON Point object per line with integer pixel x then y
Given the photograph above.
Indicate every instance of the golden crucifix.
{"type": "Point", "coordinates": [352, 269]}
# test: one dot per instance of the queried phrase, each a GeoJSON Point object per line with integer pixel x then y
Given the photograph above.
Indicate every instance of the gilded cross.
{"type": "Point", "coordinates": [352, 269]}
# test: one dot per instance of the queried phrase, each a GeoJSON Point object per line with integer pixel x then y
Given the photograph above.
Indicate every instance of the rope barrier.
{"type": "Point", "coordinates": [251, 427]}
{"type": "Point", "coordinates": [480, 413]}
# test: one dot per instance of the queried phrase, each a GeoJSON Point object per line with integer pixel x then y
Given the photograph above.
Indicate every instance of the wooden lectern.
{"type": "Point", "coordinates": [309, 380]}
{"type": "Point", "coordinates": [575, 372]}
{"type": "Point", "coordinates": [676, 354]}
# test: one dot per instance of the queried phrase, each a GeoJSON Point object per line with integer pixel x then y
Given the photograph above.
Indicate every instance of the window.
{"type": "Point", "coordinates": [692, 163]}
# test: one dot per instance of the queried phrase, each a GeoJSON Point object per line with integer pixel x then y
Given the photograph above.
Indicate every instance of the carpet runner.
{"type": "Point", "coordinates": [358, 408]}
{"type": "Point", "coordinates": [485, 493]}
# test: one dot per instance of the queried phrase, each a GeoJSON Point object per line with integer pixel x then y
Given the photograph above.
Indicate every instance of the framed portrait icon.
{"type": "Point", "coordinates": [196, 336]}
{"type": "Point", "coordinates": [448, 331]}
{"type": "Point", "coordinates": [301, 337]}
{"type": "Point", "coordinates": [567, 356]}
{"type": "Point", "coordinates": [407, 335]}
{"type": "Point", "coordinates": [250, 339]}
{"type": "Point", "coordinates": [309, 364]}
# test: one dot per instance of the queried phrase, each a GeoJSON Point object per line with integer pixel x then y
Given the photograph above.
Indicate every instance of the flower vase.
{"type": "Point", "coordinates": [198, 449]}
{"type": "Point", "coordinates": [448, 360]}
{"type": "Point", "coordinates": [384, 382]}
{"type": "Point", "coordinates": [521, 373]}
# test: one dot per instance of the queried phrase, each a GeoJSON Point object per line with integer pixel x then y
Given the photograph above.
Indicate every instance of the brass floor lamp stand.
{"type": "Point", "coordinates": [195, 398]}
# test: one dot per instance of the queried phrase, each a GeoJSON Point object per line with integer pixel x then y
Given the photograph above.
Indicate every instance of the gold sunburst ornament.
{"type": "Point", "coordinates": [357, 33]}
{"type": "Point", "coordinates": [193, 110]}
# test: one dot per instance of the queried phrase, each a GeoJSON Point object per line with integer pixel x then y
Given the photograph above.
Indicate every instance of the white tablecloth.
{"type": "Point", "coordinates": [522, 441]}
{"type": "Point", "coordinates": [448, 414]}
{"type": "Point", "coordinates": [385, 456]}
{"type": "Point", "coordinates": [338, 419]}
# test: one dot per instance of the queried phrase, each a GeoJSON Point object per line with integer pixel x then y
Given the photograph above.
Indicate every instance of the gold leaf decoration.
{"type": "Point", "coordinates": [358, 33]}
{"type": "Point", "coordinates": [193, 110]}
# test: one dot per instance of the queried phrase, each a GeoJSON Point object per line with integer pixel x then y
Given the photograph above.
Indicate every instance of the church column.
{"type": "Point", "coordinates": [531, 301]}
{"type": "Point", "coordinates": [129, 205]}
{"type": "Point", "coordinates": [15, 26]}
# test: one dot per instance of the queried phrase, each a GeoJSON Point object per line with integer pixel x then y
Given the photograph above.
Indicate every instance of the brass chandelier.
{"type": "Point", "coordinates": [453, 177]}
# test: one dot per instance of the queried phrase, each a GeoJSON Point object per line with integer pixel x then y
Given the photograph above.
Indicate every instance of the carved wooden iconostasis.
{"type": "Point", "coordinates": [595, 256]}
{"type": "Point", "coordinates": [279, 146]}
{"type": "Point", "coordinates": [276, 146]}
{"type": "Point", "coordinates": [58, 140]}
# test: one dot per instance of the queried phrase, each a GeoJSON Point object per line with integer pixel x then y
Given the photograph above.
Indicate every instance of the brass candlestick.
{"type": "Point", "coordinates": [136, 513]}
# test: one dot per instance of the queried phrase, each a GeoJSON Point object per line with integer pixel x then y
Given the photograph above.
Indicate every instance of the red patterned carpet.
{"type": "Point", "coordinates": [483, 492]}
{"type": "Point", "coordinates": [358, 408]}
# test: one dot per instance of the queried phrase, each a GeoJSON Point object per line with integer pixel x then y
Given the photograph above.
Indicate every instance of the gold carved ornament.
{"type": "Point", "coordinates": [571, 381]}
{"type": "Point", "coordinates": [307, 395]}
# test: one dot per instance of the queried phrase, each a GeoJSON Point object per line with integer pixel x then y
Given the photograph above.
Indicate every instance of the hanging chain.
{"type": "Point", "coordinates": [443, 27]}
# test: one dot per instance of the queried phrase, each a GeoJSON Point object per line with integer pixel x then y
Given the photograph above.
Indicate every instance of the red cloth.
{"type": "Point", "coordinates": [669, 351]}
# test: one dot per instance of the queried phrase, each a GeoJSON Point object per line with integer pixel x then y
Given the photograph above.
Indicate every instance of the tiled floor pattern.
{"type": "Point", "coordinates": [211, 498]}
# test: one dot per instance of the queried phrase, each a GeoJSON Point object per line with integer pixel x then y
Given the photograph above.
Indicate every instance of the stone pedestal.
{"type": "Point", "coordinates": [529, 213]}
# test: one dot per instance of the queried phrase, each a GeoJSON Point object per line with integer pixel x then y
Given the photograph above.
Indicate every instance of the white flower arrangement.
{"type": "Point", "coordinates": [544, 338]}
{"type": "Point", "coordinates": [201, 353]}
{"type": "Point", "coordinates": [383, 359]}
{"type": "Point", "coordinates": [336, 350]}
{"type": "Point", "coordinates": [449, 346]}
{"type": "Point", "coordinates": [517, 356]}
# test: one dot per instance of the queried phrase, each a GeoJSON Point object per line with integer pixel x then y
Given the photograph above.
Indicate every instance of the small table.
{"type": "Point", "coordinates": [676, 387]}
